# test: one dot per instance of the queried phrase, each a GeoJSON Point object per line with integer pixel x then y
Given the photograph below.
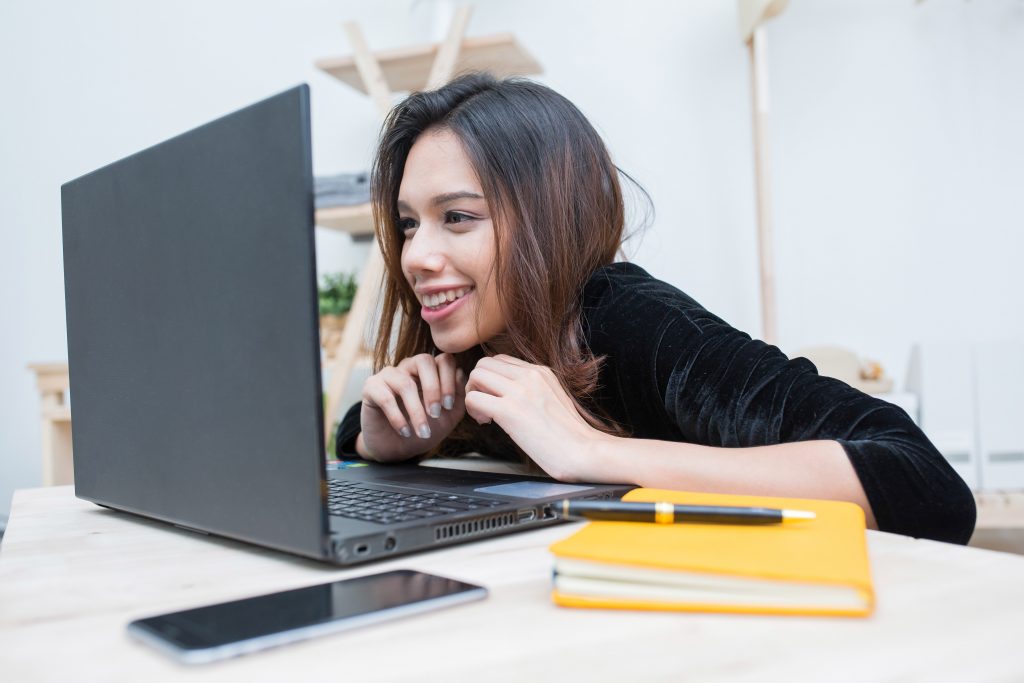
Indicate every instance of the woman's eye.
{"type": "Point", "coordinates": [456, 217]}
{"type": "Point", "coordinates": [405, 225]}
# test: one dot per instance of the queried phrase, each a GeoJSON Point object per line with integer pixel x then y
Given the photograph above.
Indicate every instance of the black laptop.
{"type": "Point", "coordinates": [193, 346]}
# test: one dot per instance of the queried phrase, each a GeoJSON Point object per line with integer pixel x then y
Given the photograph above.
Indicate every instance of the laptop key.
{"type": "Point", "coordinates": [363, 502]}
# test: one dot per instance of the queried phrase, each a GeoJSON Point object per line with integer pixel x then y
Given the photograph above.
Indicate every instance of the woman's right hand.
{"type": "Point", "coordinates": [411, 407]}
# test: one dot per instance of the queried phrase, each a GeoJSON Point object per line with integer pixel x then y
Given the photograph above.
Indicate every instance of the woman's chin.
{"type": "Point", "coordinates": [452, 344]}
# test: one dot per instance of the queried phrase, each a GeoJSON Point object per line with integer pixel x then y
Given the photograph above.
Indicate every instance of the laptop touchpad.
{"type": "Point", "coordinates": [532, 489]}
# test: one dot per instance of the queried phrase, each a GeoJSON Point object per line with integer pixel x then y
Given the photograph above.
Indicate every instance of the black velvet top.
{"type": "Point", "coordinates": [675, 372]}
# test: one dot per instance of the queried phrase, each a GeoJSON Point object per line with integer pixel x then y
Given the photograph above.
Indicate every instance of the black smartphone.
{"type": "Point", "coordinates": [229, 629]}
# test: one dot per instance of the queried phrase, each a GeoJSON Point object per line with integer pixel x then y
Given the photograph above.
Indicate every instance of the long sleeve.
{"type": "Point", "coordinates": [348, 430]}
{"type": "Point", "coordinates": [674, 371]}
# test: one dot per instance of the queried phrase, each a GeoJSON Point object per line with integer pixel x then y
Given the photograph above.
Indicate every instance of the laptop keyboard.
{"type": "Point", "coordinates": [359, 501]}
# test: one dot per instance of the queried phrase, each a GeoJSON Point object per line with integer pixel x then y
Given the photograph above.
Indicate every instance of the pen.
{"type": "Point", "coordinates": [667, 513]}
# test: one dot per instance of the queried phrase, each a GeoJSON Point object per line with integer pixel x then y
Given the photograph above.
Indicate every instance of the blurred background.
{"type": "Point", "coordinates": [896, 134]}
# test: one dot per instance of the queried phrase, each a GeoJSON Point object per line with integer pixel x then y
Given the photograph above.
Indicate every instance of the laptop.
{"type": "Point", "coordinates": [194, 357]}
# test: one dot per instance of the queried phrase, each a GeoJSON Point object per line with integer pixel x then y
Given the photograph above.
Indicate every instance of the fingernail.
{"type": "Point", "coordinates": [424, 432]}
{"type": "Point", "coordinates": [449, 402]}
{"type": "Point", "coordinates": [405, 431]}
{"type": "Point", "coordinates": [435, 410]}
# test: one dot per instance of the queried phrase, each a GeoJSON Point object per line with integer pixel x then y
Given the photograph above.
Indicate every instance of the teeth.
{"type": "Point", "coordinates": [436, 300]}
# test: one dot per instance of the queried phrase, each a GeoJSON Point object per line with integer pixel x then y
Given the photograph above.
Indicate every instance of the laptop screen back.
{"type": "Point", "coordinates": [190, 285]}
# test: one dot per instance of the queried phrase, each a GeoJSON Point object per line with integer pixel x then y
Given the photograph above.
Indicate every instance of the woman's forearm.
{"type": "Point", "coordinates": [388, 456]}
{"type": "Point", "coordinates": [366, 454]}
{"type": "Point", "coordinates": [807, 469]}
{"type": "Point", "coordinates": [361, 448]}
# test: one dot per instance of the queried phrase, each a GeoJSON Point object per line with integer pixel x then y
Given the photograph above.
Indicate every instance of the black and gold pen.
{"type": "Point", "coordinates": [668, 513]}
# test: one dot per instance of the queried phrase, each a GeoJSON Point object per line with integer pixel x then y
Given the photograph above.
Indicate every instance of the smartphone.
{"type": "Point", "coordinates": [229, 629]}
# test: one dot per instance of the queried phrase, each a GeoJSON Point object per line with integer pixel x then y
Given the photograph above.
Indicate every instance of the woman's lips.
{"type": "Point", "coordinates": [436, 314]}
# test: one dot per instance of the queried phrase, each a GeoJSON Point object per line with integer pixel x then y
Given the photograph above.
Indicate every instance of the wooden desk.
{"type": "Point", "coordinates": [73, 574]}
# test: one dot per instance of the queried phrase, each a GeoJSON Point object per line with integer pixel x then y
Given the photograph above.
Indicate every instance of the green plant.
{"type": "Point", "coordinates": [336, 291]}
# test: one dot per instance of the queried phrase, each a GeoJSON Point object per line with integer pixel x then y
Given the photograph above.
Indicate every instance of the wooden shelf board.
{"type": "Point", "coordinates": [355, 220]}
{"type": "Point", "coordinates": [49, 368]}
{"type": "Point", "coordinates": [406, 69]}
{"type": "Point", "coordinates": [50, 377]}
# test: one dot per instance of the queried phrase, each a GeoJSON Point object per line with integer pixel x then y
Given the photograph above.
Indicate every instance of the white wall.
{"type": "Point", "coordinates": [896, 138]}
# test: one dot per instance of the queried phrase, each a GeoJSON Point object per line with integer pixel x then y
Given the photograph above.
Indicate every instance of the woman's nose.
{"type": "Point", "coordinates": [423, 253]}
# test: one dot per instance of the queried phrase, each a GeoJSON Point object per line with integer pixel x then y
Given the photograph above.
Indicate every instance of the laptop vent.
{"type": "Point", "coordinates": [447, 532]}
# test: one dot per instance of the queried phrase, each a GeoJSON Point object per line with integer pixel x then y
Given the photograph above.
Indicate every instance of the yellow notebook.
{"type": "Point", "coordinates": [817, 566]}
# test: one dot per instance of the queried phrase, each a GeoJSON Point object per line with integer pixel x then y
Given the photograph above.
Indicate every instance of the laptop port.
{"type": "Point", "coordinates": [389, 543]}
{"type": "Point", "coordinates": [547, 512]}
{"type": "Point", "coordinates": [362, 549]}
{"type": "Point", "coordinates": [526, 515]}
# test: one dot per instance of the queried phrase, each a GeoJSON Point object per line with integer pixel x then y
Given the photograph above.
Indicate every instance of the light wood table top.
{"type": "Point", "coordinates": [72, 575]}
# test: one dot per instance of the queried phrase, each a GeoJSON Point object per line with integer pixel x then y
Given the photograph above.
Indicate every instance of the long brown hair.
{"type": "Point", "coordinates": [558, 213]}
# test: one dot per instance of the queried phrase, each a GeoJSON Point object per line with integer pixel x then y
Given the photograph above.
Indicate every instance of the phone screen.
{"type": "Point", "coordinates": [233, 628]}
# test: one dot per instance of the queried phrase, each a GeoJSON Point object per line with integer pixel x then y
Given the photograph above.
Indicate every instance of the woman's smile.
{"type": "Point", "coordinates": [438, 306]}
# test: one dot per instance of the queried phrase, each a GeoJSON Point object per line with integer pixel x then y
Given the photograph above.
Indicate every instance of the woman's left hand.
{"type": "Point", "coordinates": [529, 403]}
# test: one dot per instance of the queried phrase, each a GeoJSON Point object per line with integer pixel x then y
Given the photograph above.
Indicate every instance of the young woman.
{"type": "Point", "coordinates": [500, 214]}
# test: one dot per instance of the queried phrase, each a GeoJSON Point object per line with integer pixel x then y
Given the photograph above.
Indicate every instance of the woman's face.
{"type": "Point", "coordinates": [449, 243]}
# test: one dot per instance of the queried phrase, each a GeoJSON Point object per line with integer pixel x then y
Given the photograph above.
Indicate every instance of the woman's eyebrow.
{"type": "Point", "coordinates": [442, 199]}
{"type": "Point", "coordinates": [449, 197]}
